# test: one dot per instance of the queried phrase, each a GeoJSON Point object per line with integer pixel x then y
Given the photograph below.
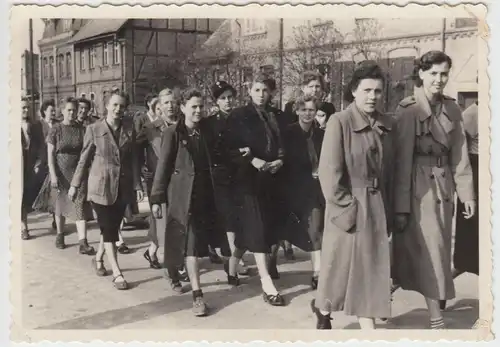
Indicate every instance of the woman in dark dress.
{"type": "Point", "coordinates": [301, 188]}
{"type": "Point", "coordinates": [312, 84]}
{"type": "Point", "coordinates": [254, 129]}
{"type": "Point", "coordinates": [64, 145]}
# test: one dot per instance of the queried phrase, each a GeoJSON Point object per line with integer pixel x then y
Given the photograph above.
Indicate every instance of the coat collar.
{"type": "Point", "coordinates": [360, 122]}
{"type": "Point", "coordinates": [424, 105]}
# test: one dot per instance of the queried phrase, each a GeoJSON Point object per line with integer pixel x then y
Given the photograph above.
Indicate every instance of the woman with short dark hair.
{"type": "Point", "coordinates": [431, 164]}
{"type": "Point", "coordinates": [255, 146]}
{"type": "Point", "coordinates": [355, 176]}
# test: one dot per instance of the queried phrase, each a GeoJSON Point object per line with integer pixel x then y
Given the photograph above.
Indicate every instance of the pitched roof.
{"type": "Point", "coordinates": [98, 27]}
{"type": "Point", "coordinates": [219, 44]}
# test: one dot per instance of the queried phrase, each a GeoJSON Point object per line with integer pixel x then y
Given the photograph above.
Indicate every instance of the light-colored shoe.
{"type": "Point", "coordinates": [200, 308]}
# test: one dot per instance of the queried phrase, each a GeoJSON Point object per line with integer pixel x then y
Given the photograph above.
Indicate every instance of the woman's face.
{"type": "Point", "coordinates": [193, 109]}
{"type": "Point", "coordinates": [50, 114]}
{"type": "Point", "coordinates": [83, 110]}
{"type": "Point", "coordinates": [368, 94]}
{"type": "Point", "coordinates": [69, 112]}
{"type": "Point", "coordinates": [259, 93]}
{"type": "Point", "coordinates": [435, 79]}
{"type": "Point", "coordinates": [313, 88]}
{"type": "Point", "coordinates": [168, 105]}
{"type": "Point", "coordinates": [225, 101]}
{"type": "Point", "coordinates": [157, 111]}
{"type": "Point", "coordinates": [307, 112]}
{"type": "Point", "coordinates": [116, 106]}
{"type": "Point", "coordinates": [25, 110]}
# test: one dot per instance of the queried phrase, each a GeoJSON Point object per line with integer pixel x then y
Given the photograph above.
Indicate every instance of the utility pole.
{"type": "Point", "coordinates": [32, 68]}
{"type": "Point", "coordinates": [281, 49]}
{"type": "Point", "coordinates": [443, 35]}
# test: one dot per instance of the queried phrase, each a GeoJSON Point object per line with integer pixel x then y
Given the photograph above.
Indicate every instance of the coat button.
{"type": "Point", "coordinates": [438, 201]}
{"type": "Point", "coordinates": [447, 199]}
{"type": "Point", "coordinates": [374, 149]}
{"type": "Point", "coordinates": [432, 176]}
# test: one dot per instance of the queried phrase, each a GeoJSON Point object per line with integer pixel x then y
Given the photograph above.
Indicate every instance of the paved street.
{"type": "Point", "coordinates": [61, 291]}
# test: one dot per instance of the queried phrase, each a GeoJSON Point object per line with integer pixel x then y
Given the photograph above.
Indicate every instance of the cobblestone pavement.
{"type": "Point", "coordinates": [61, 291]}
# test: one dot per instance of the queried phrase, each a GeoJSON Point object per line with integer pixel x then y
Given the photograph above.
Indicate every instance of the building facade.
{"type": "Point", "coordinates": [29, 90]}
{"type": "Point", "coordinates": [334, 46]}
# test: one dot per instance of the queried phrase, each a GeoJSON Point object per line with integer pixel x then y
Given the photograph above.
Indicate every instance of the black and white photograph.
{"type": "Point", "coordinates": [296, 171]}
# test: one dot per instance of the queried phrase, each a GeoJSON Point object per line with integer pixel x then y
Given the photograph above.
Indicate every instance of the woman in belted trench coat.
{"type": "Point", "coordinates": [431, 165]}
{"type": "Point", "coordinates": [355, 176]}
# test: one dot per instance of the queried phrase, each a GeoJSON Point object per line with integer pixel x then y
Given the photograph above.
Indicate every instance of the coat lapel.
{"type": "Point", "coordinates": [102, 129]}
{"type": "Point", "coordinates": [125, 133]}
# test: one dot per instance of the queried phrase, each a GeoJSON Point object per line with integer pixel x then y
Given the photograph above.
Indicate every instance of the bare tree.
{"type": "Point", "coordinates": [365, 33]}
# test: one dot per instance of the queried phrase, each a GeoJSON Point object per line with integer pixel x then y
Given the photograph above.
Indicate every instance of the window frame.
{"type": "Point", "coordinates": [116, 53]}
{"type": "Point", "coordinates": [92, 58]}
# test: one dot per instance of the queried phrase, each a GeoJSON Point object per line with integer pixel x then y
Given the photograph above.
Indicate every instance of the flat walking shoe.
{"type": "Point", "coordinates": [120, 285]}
{"type": "Point", "coordinates": [214, 257]}
{"type": "Point", "coordinates": [200, 308]}
{"type": "Point", "coordinates": [273, 300]}
{"type": "Point", "coordinates": [183, 275]}
{"type": "Point", "coordinates": [25, 234]}
{"type": "Point", "coordinates": [175, 286]}
{"type": "Point", "coordinates": [231, 280]}
{"type": "Point", "coordinates": [243, 270]}
{"type": "Point", "coordinates": [323, 322]}
{"type": "Point", "coordinates": [85, 248]}
{"type": "Point", "coordinates": [123, 249]}
{"type": "Point", "coordinates": [60, 241]}
{"type": "Point", "coordinates": [99, 270]}
{"type": "Point", "coordinates": [153, 263]}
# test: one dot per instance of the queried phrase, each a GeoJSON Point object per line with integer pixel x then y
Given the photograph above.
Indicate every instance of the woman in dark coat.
{"type": "Point", "coordinates": [33, 147]}
{"type": "Point", "coordinates": [304, 199]}
{"type": "Point", "coordinates": [312, 84]}
{"type": "Point", "coordinates": [355, 174]}
{"type": "Point", "coordinates": [254, 130]}
{"type": "Point", "coordinates": [184, 182]}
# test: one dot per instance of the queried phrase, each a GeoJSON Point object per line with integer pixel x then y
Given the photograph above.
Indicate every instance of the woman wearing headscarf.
{"type": "Point", "coordinates": [431, 164]}
{"type": "Point", "coordinates": [355, 170]}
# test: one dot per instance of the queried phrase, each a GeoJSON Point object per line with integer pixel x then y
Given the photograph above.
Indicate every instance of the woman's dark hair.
{"type": "Point", "coordinates": [148, 99]}
{"type": "Point", "coordinates": [426, 61]}
{"type": "Point", "coordinates": [86, 102]}
{"type": "Point", "coordinates": [309, 76]}
{"type": "Point", "coordinates": [367, 69]}
{"type": "Point", "coordinates": [190, 93]}
{"type": "Point", "coordinates": [302, 99]}
{"type": "Point", "coordinates": [45, 106]}
{"type": "Point", "coordinates": [70, 100]}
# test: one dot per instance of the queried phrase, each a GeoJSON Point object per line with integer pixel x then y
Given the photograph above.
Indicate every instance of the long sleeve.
{"type": "Point", "coordinates": [233, 141]}
{"type": "Point", "coordinates": [165, 167]}
{"type": "Point", "coordinates": [460, 164]}
{"type": "Point", "coordinates": [41, 156]}
{"type": "Point", "coordinates": [86, 157]}
{"type": "Point", "coordinates": [332, 167]}
{"type": "Point", "coordinates": [404, 143]}
{"type": "Point", "coordinates": [136, 164]}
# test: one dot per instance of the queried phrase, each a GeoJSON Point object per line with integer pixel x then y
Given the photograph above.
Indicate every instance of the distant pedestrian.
{"type": "Point", "coordinates": [431, 164]}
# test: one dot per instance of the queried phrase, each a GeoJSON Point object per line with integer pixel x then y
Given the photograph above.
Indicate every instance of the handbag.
{"type": "Point", "coordinates": [45, 200]}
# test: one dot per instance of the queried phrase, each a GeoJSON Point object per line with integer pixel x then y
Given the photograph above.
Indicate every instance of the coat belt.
{"type": "Point", "coordinates": [432, 160]}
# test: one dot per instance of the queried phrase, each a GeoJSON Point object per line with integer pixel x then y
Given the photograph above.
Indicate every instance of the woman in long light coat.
{"type": "Point", "coordinates": [431, 164]}
{"type": "Point", "coordinates": [355, 175]}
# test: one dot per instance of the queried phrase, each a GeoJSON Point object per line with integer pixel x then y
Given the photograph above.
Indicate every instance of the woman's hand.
{"type": "Point", "coordinates": [259, 164]}
{"type": "Point", "coordinates": [274, 166]}
{"type": "Point", "coordinates": [245, 152]}
{"type": "Point", "coordinates": [139, 195]}
{"type": "Point", "coordinates": [401, 222]}
{"type": "Point", "coordinates": [470, 209]}
{"type": "Point", "coordinates": [156, 210]}
{"type": "Point", "coordinates": [72, 193]}
{"type": "Point", "coordinates": [54, 183]}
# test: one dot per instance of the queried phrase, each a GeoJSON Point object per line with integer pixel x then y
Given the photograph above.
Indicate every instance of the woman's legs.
{"type": "Point", "coordinates": [60, 222]}
{"type": "Point", "coordinates": [366, 323]}
{"type": "Point", "coordinates": [316, 262]}
{"type": "Point", "coordinates": [231, 237]}
{"type": "Point", "coordinates": [436, 317]}
{"type": "Point", "coordinates": [267, 283]}
{"type": "Point", "coordinates": [84, 247]}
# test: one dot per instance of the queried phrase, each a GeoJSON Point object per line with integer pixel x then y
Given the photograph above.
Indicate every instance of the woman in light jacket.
{"type": "Point", "coordinates": [431, 164]}
{"type": "Point", "coordinates": [355, 175]}
{"type": "Point", "coordinates": [109, 162]}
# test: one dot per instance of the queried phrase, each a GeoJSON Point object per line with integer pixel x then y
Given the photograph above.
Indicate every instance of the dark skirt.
{"type": "Point", "coordinates": [466, 253]}
{"type": "Point", "coordinates": [258, 211]}
{"type": "Point", "coordinates": [109, 218]}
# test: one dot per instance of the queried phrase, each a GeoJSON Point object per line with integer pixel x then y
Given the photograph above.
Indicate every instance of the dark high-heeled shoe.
{"type": "Point", "coordinates": [231, 280]}
{"type": "Point", "coordinates": [273, 300]}
{"type": "Point", "coordinates": [442, 304]}
{"type": "Point", "coordinates": [153, 263]}
{"type": "Point", "coordinates": [323, 322]}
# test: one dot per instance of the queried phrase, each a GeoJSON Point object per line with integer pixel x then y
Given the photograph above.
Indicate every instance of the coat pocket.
{"type": "Point", "coordinates": [345, 218]}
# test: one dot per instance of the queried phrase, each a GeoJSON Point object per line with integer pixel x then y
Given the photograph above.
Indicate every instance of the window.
{"type": "Point", "coordinates": [51, 68]}
{"type": "Point", "coordinates": [60, 65]}
{"type": "Point", "coordinates": [82, 60]}
{"type": "Point", "coordinates": [322, 22]}
{"type": "Point", "coordinates": [67, 23]}
{"type": "Point", "coordinates": [92, 58]}
{"type": "Point", "coordinates": [254, 26]}
{"type": "Point", "coordinates": [105, 54]}
{"type": "Point", "coordinates": [45, 68]}
{"type": "Point", "coordinates": [116, 53]}
{"type": "Point", "coordinates": [68, 64]}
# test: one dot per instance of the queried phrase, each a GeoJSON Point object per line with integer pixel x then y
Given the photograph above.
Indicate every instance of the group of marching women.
{"type": "Point", "coordinates": [369, 196]}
